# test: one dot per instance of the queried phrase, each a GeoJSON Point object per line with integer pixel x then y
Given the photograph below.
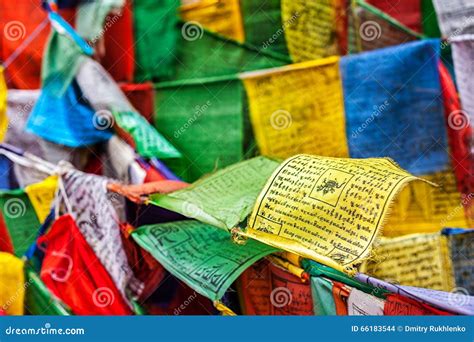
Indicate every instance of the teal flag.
{"type": "Point", "coordinates": [323, 301]}
{"type": "Point", "coordinates": [202, 256]}
{"type": "Point", "coordinates": [61, 62]}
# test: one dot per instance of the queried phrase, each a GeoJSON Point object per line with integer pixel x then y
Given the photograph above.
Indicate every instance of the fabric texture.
{"type": "Point", "coordinates": [114, 110]}
{"type": "Point", "coordinates": [363, 304]}
{"type": "Point", "coordinates": [67, 120]}
{"type": "Point", "coordinates": [192, 59]}
{"type": "Point", "coordinates": [287, 118]}
{"type": "Point", "coordinates": [408, 12]}
{"type": "Point", "coordinates": [394, 93]}
{"type": "Point", "coordinates": [74, 274]}
{"type": "Point", "coordinates": [263, 25]}
{"type": "Point", "coordinates": [12, 284]}
{"type": "Point", "coordinates": [39, 300]}
{"type": "Point", "coordinates": [60, 64]}
{"type": "Point", "coordinates": [455, 17]}
{"type": "Point", "coordinates": [97, 220]}
{"type": "Point", "coordinates": [154, 19]}
{"type": "Point", "coordinates": [202, 256]}
{"type": "Point", "coordinates": [191, 117]}
{"type": "Point", "coordinates": [20, 219]}
{"type": "Point", "coordinates": [397, 305]}
{"type": "Point", "coordinates": [223, 199]}
{"type": "Point", "coordinates": [340, 293]}
{"type": "Point", "coordinates": [463, 56]}
{"type": "Point", "coordinates": [3, 105]}
{"type": "Point", "coordinates": [119, 42]}
{"type": "Point", "coordinates": [323, 301]}
{"type": "Point", "coordinates": [371, 29]}
{"type": "Point", "coordinates": [221, 16]}
{"type": "Point", "coordinates": [24, 71]}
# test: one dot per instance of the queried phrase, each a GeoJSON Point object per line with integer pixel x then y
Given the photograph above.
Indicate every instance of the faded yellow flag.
{"type": "Point", "coordinates": [327, 209]}
{"type": "Point", "coordinates": [310, 28]}
{"type": "Point", "coordinates": [221, 16]}
{"type": "Point", "coordinates": [3, 105]}
{"type": "Point", "coordinates": [12, 284]}
{"type": "Point", "coordinates": [41, 196]}
{"type": "Point", "coordinates": [420, 260]}
{"type": "Point", "coordinates": [298, 109]}
{"type": "Point", "coordinates": [421, 208]}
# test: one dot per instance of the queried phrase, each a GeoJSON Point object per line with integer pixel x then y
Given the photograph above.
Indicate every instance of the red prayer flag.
{"type": "Point", "coordinates": [74, 274]}
{"type": "Point", "coordinates": [397, 305]}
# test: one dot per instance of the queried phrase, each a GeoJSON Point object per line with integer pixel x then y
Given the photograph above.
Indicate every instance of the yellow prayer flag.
{"type": "Point", "coordinates": [310, 28]}
{"type": "Point", "coordinates": [327, 209]}
{"type": "Point", "coordinates": [41, 196]}
{"type": "Point", "coordinates": [298, 109]}
{"type": "Point", "coordinates": [221, 16]}
{"type": "Point", "coordinates": [421, 208]}
{"type": "Point", "coordinates": [420, 260]}
{"type": "Point", "coordinates": [3, 105]}
{"type": "Point", "coordinates": [12, 284]}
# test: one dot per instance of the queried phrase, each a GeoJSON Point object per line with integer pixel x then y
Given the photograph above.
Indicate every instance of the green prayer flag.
{"type": "Point", "coordinates": [210, 55]}
{"type": "Point", "coordinates": [192, 117]}
{"type": "Point", "coordinates": [202, 256]}
{"type": "Point", "coordinates": [91, 15]}
{"type": "Point", "coordinates": [61, 61]}
{"type": "Point", "coordinates": [39, 300]}
{"type": "Point", "coordinates": [323, 301]}
{"type": "Point", "coordinates": [149, 142]}
{"type": "Point", "coordinates": [223, 199]}
{"type": "Point", "coordinates": [263, 25]}
{"type": "Point", "coordinates": [20, 219]}
{"type": "Point", "coordinates": [155, 38]}
{"type": "Point", "coordinates": [429, 19]}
